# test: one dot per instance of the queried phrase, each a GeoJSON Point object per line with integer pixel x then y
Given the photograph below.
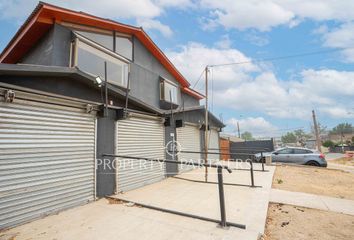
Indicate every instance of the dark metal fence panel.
{"type": "Point", "coordinates": [245, 150]}
{"type": "Point", "coordinates": [338, 149]}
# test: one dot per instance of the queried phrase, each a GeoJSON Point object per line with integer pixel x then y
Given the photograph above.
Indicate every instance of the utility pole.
{"type": "Point", "coordinates": [238, 129]}
{"type": "Point", "coordinates": [206, 139]}
{"type": "Point", "coordinates": [341, 140]}
{"type": "Point", "coordinates": [318, 142]}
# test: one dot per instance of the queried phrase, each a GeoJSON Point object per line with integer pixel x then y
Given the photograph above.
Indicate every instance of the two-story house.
{"type": "Point", "coordinates": [74, 87]}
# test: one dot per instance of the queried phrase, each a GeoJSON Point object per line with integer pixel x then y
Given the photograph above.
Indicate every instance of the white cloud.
{"type": "Point", "coordinates": [266, 14]}
{"type": "Point", "coordinates": [258, 126]}
{"type": "Point", "coordinates": [191, 60]}
{"type": "Point", "coordinates": [151, 24]}
{"type": "Point", "coordinates": [144, 11]}
{"type": "Point", "coordinates": [257, 39]}
{"type": "Point", "coordinates": [327, 82]}
{"type": "Point", "coordinates": [338, 112]}
{"type": "Point", "coordinates": [250, 87]}
{"type": "Point", "coordinates": [114, 9]}
{"type": "Point", "coordinates": [224, 43]}
{"type": "Point", "coordinates": [261, 15]}
{"type": "Point", "coordinates": [183, 4]}
{"type": "Point", "coordinates": [340, 37]}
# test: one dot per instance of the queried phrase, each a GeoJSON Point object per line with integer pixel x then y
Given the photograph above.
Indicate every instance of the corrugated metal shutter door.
{"type": "Point", "coordinates": [139, 137]}
{"type": "Point", "coordinates": [188, 138]}
{"type": "Point", "coordinates": [214, 145]}
{"type": "Point", "coordinates": [46, 159]}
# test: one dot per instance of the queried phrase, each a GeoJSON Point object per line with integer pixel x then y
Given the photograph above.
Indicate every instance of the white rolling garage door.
{"type": "Point", "coordinates": [139, 136]}
{"type": "Point", "coordinates": [47, 160]}
{"type": "Point", "coordinates": [188, 138]}
{"type": "Point", "coordinates": [214, 145]}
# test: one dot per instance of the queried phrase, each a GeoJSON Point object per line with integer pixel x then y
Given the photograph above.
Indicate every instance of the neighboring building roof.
{"type": "Point", "coordinates": [45, 15]}
{"type": "Point", "coordinates": [201, 109]}
{"type": "Point", "coordinates": [75, 73]}
{"type": "Point", "coordinates": [231, 137]}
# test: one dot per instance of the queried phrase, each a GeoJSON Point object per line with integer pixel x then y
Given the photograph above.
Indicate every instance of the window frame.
{"type": "Point", "coordinates": [304, 151]}
{"type": "Point", "coordinates": [162, 90]}
{"type": "Point", "coordinates": [291, 151]}
{"type": "Point", "coordinates": [124, 36]}
{"type": "Point", "coordinates": [97, 47]}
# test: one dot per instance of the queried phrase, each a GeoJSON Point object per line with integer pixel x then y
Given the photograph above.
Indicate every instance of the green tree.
{"type": "Point", "coordinates": [321, 129]}
{"type": "Point", "coordinates": [343, 128]}
{"type": "Point", "coordinates": [328, 143]}
{"type": "Point", "coordinates": [289, 137]}
{"type": "Point", "coordinates": [301, 135]}
{"type": "Point", "coordinates": [247, 136]}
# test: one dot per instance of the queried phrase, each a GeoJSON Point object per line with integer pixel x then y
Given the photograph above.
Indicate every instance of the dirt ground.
{"type": "Point", "coordinates": [286, 222]}
{"type": "Point", "coordinates": [329, 182]}
{"type": "Point", "coordinates": [349, 161]}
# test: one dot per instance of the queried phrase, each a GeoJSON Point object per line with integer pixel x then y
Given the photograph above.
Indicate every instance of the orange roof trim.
{"type": "Point", "coordinates": [193, 93]}
{"type": "Point", "coordinates": [45, 15]}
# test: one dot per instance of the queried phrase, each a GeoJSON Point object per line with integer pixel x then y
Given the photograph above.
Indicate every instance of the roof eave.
{"type": "Point", "coordinates": [46, 14]}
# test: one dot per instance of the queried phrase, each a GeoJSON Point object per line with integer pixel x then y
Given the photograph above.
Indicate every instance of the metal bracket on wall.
{"type": "Point", "coordinates": [122, 114]}
{"type": "Point", "coordinates": [89, 108]}
{"type": "Point", "coordinates": [9, 96]}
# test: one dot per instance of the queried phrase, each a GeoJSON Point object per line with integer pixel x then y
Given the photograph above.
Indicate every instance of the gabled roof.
{"type": "Point", "coordinates": [45, 15]}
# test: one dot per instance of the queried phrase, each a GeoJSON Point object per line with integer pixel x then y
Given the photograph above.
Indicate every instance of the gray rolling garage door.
{"type": "Point", "coordinates": [214, 145]}
{"type": "Point", "coordinates": [139, 136]}
{"type": "Point", "coordinates": [46, 157]}
{"type": "Point", "coordinates": [188, 138]}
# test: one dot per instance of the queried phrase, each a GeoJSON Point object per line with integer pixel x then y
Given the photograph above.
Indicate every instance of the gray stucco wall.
{"type": "Point", "coordinates": [42, 53]}
{"type": "Point", "coordinates": [171, 168]}
{"type": "Point", "coordinates": [196, 117]}
{"type": "Point", "coordinates": [145, 76]}
{"type": "Point", "coordinates": [52, 50]}
{"type": "Point", "coordinates": [189, 101]}
{"type": "Point", "coordinates": [67, 87]}
{"type": "Point", "coordinates": [106, 178]}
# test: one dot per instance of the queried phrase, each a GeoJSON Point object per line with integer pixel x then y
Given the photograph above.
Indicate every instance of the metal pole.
{"type": "Point", "coordinates": [252, 177]}
{"type": "Point", "coordinates": [173, 147]}
{"type": "Point", "coordinates": [105, 88]}
{"type": "Point", "coordinates": [316, 131]}
{"type": "Point", "coordinates": [127, 95]}
{"type": "Point", "coordinates": [221, 198]}
{"type": "Point", "coordinates": [238, 129]}
{"type": "Point", "coordinates": [206, 140]}
{"type": "Point", "coordinates": [262, 159]}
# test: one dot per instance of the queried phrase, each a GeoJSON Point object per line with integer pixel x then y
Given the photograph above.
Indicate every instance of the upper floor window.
{"type": "Point", "coordinates": [117, 42]}
{"type": "Point", "coordinates": [168, 91]}
{"type": "Point", "coordinates": [105, 40]}
{"type": "Point", "coordinates": [90, 57]}
{"type": "Point", "coordinates": [124, 46]}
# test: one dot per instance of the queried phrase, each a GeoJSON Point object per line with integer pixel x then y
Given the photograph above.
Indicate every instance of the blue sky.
{"type": "Point", "coordinates": [267, 98]}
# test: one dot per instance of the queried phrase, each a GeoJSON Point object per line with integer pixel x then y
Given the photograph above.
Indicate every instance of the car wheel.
{"type": "Point", "coordinates": [313, 163]}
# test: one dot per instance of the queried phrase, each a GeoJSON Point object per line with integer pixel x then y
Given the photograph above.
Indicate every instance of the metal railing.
{"type": "Point", "coordinates": [222, 222]}
{"type": "Point", "coordinates": [251, 169]}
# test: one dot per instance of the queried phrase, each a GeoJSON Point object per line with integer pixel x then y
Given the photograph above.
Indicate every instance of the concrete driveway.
{"type": "Point", "coordinates": [102, 220]}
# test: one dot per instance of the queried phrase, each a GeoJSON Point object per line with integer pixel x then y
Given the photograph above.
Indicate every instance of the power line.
{"type": "Point", "coordinates": [281, 57]}
{"type": "Point", "coordinates": [200, 76]}
{"type": "Point", "coordinates": [212, 90]}
{"type": "Point", "coordinates": [275, 130]}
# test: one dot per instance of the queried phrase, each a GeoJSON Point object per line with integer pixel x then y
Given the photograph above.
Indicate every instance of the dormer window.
{"type": "Point", "coordinates": [90, 57]}
{"type": "Point", "coordinates": [168, 91]}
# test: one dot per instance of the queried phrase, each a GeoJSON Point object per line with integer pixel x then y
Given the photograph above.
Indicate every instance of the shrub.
{"type": "Point", "coordinates": [328, 144]}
